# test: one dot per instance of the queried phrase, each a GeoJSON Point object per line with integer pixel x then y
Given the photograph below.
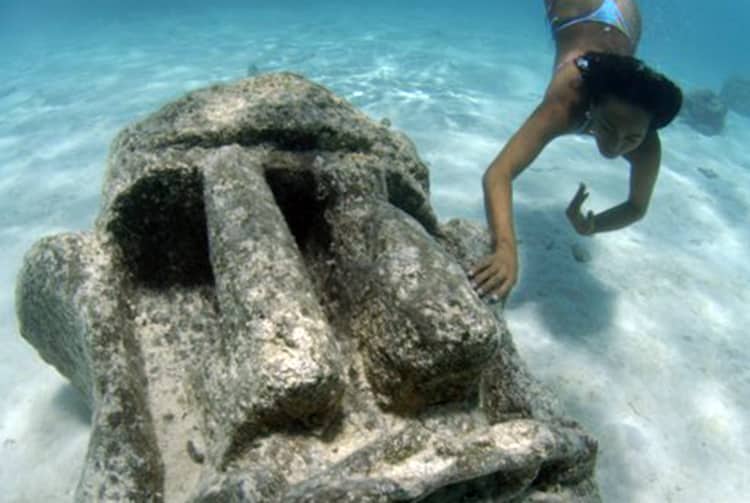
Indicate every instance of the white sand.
{"type": "Point", "coordinates": [644, 344]}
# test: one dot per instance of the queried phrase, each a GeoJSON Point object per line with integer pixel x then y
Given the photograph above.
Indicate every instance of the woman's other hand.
{"type": "Point", "coordinates": [583, 225]}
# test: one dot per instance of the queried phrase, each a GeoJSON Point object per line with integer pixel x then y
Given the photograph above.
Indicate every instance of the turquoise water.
{"type": "Point", "coordinates": [645, 346]}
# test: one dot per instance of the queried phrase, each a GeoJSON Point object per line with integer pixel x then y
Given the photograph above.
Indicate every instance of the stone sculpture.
{"type": "Point", "coordinates": [268, 310]}
{"type": "Point", "coordinates": [704, 111]}
{"type": "Point", "coordinates": [735, 92]}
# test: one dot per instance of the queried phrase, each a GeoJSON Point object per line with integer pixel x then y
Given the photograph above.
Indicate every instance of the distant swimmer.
{"type": "Point", "coordinates": [598, 88]}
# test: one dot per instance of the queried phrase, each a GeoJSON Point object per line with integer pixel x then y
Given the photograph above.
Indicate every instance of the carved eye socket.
{"type": "Point", "coordinates": [159, 224]}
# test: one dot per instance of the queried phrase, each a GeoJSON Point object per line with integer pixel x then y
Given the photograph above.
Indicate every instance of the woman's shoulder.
{"type": "Point", "coordinates": [566, 96]}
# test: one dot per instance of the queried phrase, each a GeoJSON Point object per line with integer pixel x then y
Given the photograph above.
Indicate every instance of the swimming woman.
{"type": "Point", "coordinates": [598, 88]}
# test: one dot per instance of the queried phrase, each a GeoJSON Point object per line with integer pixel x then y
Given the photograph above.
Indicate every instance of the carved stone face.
{"type": "Point", "coordinates": [268, 307]}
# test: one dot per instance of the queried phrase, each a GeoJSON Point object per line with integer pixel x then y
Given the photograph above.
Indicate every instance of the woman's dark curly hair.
{"type": "Point", "coordinates": [630, 80]}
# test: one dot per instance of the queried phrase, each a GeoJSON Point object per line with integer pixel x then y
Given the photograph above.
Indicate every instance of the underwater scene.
{"type": "Point", "coordinates": [638, 326]}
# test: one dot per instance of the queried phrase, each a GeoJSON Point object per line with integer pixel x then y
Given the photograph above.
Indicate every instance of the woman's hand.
{"type": "Point", "coordinates": [583, 225]}
{"type": "Point", "coordinates": [496, 273]}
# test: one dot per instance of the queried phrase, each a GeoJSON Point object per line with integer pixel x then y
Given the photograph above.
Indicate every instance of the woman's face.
{"type": "Point", "coordinates": [618, 126]}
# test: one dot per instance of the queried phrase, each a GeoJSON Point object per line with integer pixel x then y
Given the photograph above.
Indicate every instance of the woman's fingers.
{"type": "Point", "coordinates": [575, 204]}
{"type": "Point", "coordinates": [490, 283]}
{"type": "Point", "coordinates": [580, 196]}
{"type": "Point", "coordinates": [582, 193]}
{"type": "Point", "coordinates": [493, 277]}
{"type": "Point", "coordinates": [504, 289]}
{"type": "Point", "coordinates": [582, 224]}
{"type": "Point", "coordinates": [480, 280]}
{"type": "Point", "coordinates": [501, 290]}
{"type": "Point", "coordinates": [485, 276]}
{"type": "Point", "coordinates": [496, 284]}
{"type": "Point", "coordinates": [481, 266]}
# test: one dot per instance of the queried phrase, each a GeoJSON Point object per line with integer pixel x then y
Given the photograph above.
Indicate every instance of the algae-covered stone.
{"type": "Point", "coordinates": [267, 309]}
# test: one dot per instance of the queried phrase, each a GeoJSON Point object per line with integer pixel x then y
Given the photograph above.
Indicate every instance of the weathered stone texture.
{"type": "Point", "coordinates": [735, 92]}
{"type": "Point", "coordinates": [268, 310]}
{"type": "Point", "coordinates": [704, 111]}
